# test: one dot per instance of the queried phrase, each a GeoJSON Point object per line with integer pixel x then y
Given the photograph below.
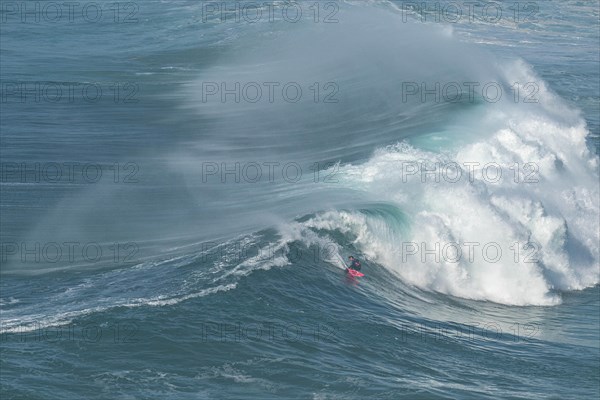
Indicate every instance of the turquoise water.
{"type": "Point", "coordinates": [168, 234]}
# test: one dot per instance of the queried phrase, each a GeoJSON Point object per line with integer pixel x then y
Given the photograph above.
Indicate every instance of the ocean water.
{"type": "Point", "coordinates": [183, 181]}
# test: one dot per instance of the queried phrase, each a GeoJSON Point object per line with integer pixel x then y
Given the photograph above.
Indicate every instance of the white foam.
{"type": "Point", "coordinates": [558, 209]}
{"type": "Point", "coordinates": [31, 323]}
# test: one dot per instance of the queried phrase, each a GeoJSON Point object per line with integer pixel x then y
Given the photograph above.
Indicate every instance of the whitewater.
{"type": "Point", "coordinates": [457, 158]}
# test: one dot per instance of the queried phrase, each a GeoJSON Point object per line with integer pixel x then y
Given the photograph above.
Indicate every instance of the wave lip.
{"type": "Point", "coordinates": [526, 184]}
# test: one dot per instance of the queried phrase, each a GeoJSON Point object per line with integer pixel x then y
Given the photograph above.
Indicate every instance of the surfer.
{"type": "Point", "coordinates": [354, 263]}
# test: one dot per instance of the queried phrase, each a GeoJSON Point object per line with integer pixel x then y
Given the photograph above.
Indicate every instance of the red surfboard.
{"type": "Point", "coordinates": [353, 272]}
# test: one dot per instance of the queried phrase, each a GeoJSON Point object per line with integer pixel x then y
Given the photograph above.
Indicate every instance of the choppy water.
{"type": "Point", "coordinates": [181, 185]}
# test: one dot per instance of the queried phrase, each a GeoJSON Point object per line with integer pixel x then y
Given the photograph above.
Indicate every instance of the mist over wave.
{"type": "Point", "coordinates": [455, 160]}
{"type": "Point", "coordinates": [375, 128]}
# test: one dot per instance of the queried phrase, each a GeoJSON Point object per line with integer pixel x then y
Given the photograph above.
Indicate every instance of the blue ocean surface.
{"type": "Point", "coordinates": [182, 183]}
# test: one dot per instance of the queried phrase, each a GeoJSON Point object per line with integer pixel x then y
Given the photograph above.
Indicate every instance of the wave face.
{"type": "Point", "coordinates": [451, 158]}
